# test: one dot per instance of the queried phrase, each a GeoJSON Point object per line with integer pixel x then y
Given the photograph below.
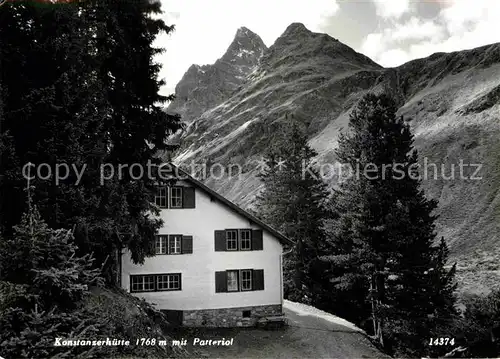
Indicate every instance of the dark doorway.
{"type": "Point", "coordinates": [174, 317]}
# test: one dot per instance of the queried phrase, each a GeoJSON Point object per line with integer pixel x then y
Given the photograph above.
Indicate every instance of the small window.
{"type": "Point", "coordinates": [143, 283]}
{"type": "Point", "coordinates": [176, 197]}
{"type": "Point", "coordinates": [149, 283]}
{"type": "Point", "coordinates": [161, 197]}
{"type": "Point", "coordinates": [246, 279]}
{"type": "Point", "coordinates": [174, 245]}
{"type": "Point", "coordinates": [155, 282]}
{"type": "Point", "coordinates": [168, 244]}
{"type": "Point", "coordinates": [161, 244]}
{"type": "Point", "coordinates": [232, 281]}
{"type": "Point", "coordinates": [232, 240]}
{"type": "Point", "coordinates": [168, 282]}
{"type": "Point", "coordinates": [162, 281]}
{"type": "Point", "coordinates": [174, 281]}
{"type": "Point", "coordinates": [247, 313]}
{"type": "Point", "coordinates": [245, 240]}
{"type": "Point", "coordinates": [136, 284]}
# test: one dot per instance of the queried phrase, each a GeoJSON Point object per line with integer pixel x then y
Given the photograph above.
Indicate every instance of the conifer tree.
{"type": "Point", "coordinates": [136, 124]}
{"type": "Point", "coordinates": [385, 234]}
{"type": "Point", "coordinates": [294, 202]}
{"type": "Point", "coordinates": [80, 87]}
{"type": "Point", "coordinates": [42, 281]}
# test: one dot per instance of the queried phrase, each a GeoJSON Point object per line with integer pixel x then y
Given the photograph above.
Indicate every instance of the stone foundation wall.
{"type": "Point", "coordinates": [229, 317]}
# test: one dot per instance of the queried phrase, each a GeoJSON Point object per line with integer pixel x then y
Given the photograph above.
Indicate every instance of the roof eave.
{"type": "Point", "coordinates": [238, 209]}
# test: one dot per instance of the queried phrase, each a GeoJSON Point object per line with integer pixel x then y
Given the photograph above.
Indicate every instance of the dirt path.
{"type": "Point", "coordinates": [307, 336]}
{"type": "Point", "coordinates": [327, 339]}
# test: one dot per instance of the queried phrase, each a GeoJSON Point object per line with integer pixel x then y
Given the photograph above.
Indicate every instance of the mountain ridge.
{"type": "Point", "coordinates": [451, 101]}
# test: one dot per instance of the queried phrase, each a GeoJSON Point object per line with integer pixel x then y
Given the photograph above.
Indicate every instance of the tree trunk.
{"type": "Point", "coordinates": [377, 320]}
{"type": "Point", "coordinates": [118, 267]}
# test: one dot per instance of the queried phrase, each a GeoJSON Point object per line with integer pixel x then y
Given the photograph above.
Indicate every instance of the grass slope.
{"type": "Point", "coordinates": [129, 318]}
{"type": "Point", "coordinates": [451, 99]}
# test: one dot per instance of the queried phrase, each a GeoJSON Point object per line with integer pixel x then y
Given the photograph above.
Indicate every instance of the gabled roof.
{"type": "Point", "coordinates": [236, 208]}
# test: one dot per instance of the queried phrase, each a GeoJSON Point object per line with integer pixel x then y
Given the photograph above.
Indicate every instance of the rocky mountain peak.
{"type": "Point", "coordinates": [452, 99]}
{"type": "Point", "coordinates": [246, 45]}
{"type": "Point", "coordinates": [243, 32]}
{"type": "Point", "coordinates": [206, 86]}
{"type": "Point", "coordinates": [295, 29]}
{"type": "Point", "coordinates": [294, 33]}
{"type": "Point", "coordinates": [298, 46]}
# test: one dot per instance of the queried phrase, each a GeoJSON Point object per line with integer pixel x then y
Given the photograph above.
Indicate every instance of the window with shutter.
{"type": "Point", "coordinates": [172, 244]}
{"type": "Point", "coordinates": [236, 280]}
{"type": "Point", "coordinates": [176, 197]}
{"type": "Point", "coordinates": [238, 240]}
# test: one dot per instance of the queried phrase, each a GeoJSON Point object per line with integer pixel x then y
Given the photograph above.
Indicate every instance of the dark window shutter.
{"type": "Point", "coordinates": [188, 197]}
{"type": "Point", "coordinates": [257, 243]}
{"type": "Point", "coordinates": [258, 279]}
{"type": "Point", "coordinates": [220, 282]}
{"type": "Point", "coordinates": [220, 241]}
{"type": "Point", "coordinates": [167, 196]}
{"type": "Point", "coordinates": [187, 244]}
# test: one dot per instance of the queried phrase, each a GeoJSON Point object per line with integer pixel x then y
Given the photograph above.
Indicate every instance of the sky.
{"type": "Point", "coordinates": [390, 32]}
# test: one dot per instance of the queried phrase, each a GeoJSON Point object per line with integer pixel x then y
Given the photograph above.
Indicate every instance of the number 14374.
{"type": "Point", "coordinates": [442, 341]}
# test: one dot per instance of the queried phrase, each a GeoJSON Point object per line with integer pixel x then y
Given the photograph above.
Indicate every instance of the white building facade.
{"type": "Point", "coordinates": [215, 264]}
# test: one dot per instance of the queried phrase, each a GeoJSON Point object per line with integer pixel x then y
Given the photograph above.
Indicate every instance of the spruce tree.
{"type": "Point", "coordinates": [294, 202]}
{"type": "Point", "coordinates": [385, 236]}
{"type": "Point", "coordinates": [80, 87]}
{"type": "Point", "coordinates": [42, 281]}
{"type": "Point", "coordinates": [137, 126]}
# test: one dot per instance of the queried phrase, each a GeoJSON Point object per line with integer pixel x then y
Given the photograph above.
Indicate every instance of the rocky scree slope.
{"type": "Point", "coordinates": [451, 100]}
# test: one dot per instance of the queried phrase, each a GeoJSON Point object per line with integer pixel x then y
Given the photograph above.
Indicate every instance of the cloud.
{"type": "Point", "coordinates": [204, 29]}
{"type": "Point", "coordinates": [461, 24]}
{"type": "Point", "coordinates": [385, 47]}
{"type": "Point", "coordinates": [462, 14]}
{"type": "Point", "coordinates": [391, 8]}
{"type": "Point", "coordinates": [415, 29]}
{"type": "Point", "coordinates": [394, 57]}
